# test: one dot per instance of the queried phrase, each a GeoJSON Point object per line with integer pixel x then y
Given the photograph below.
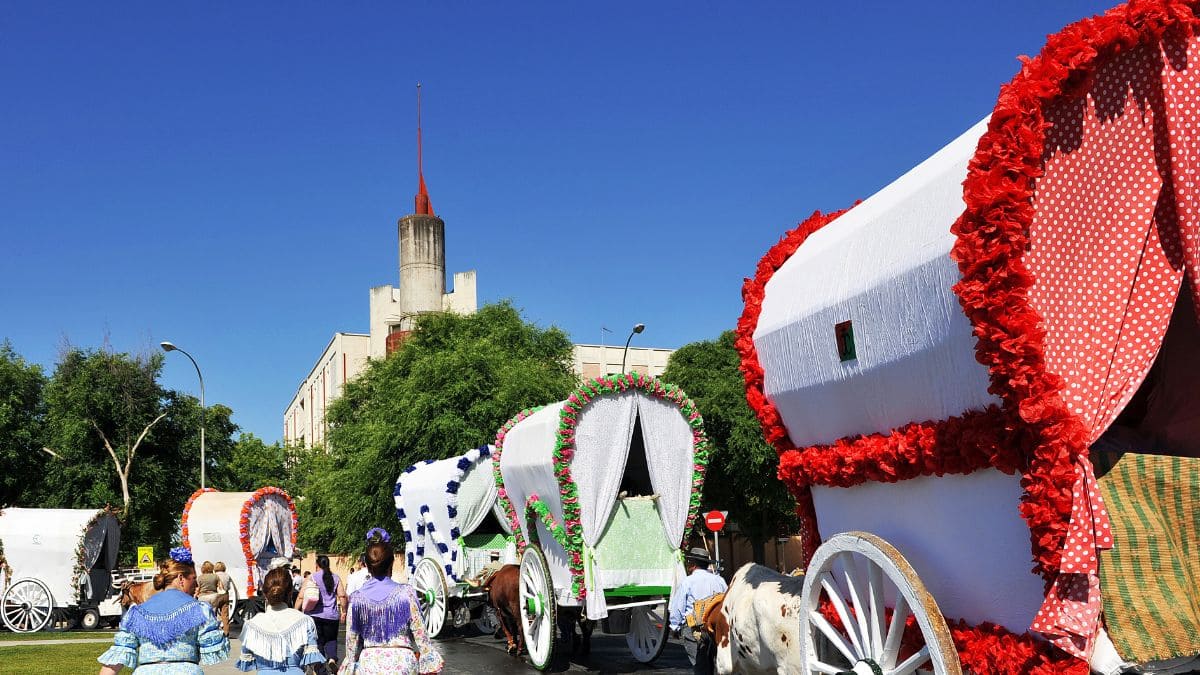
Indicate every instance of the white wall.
{"type": "Point", "coordinates": [343, 359]}
{"type": "Point", "coordinates": [596, 360]}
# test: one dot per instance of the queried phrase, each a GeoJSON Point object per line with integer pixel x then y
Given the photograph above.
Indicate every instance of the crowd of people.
{"type": "Point", "coordinates": [185, 624]}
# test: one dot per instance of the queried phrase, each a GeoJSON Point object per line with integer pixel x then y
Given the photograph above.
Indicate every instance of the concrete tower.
{"type": "Point", "coordinates": [422, 237]}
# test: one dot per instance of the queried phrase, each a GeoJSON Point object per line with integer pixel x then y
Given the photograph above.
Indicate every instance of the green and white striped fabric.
{"type": "Point", "coordinates": [1150, 580]}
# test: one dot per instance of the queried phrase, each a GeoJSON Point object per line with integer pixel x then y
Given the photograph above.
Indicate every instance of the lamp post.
{"type": "Point", "coordinates": [168, 347]}
{"type": "Point", "coordinates": [636, 329]}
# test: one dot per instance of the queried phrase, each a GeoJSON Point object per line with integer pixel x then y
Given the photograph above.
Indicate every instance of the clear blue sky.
{"type": "Point", "coordinates": [228, 176]}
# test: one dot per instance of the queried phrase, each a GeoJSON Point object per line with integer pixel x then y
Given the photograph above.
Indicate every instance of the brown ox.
{"type": "Point", "coordinates": [505, 596]}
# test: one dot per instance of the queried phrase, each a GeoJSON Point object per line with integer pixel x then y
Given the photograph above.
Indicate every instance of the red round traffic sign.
{"type": "Point", "coordinates": [714, 521]}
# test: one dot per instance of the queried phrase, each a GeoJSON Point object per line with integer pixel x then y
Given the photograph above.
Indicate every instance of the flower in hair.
{"type": "Point", "coordinates": [181, 554]}
{"type": "Point", "coordinates": [377, 535]}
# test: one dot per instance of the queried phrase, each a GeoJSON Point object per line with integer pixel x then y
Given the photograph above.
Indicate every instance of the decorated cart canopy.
{"type": "Point", "coordinates": [61, 548]}
{"type": "Point", "coordinates": [245, 530]}
{"type": "Point", "coordinates": [607, 482]}
{"type": "Point", "coordinates": [952, 347]}
{"type": "Point", "coordinates": [440, 505]}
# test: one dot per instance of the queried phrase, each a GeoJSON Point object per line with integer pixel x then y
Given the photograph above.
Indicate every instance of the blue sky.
{"type": "Point", "coordinates": [228, 176]}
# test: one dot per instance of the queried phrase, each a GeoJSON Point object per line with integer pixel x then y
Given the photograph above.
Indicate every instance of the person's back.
{"type": "Point", "coordinates": [279, 640]}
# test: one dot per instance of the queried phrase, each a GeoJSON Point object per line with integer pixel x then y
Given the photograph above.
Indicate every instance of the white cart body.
{"type": "Point", "coordinates": [43, 544]}
{"type": "Point", "coordinates": [245, 530]}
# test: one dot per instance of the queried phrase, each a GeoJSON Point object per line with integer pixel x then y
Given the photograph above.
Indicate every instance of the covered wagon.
{"type": "Point", "coordinates": [244, 530]}
{"type": "Point", "coordinates": [600, 491]}
{"type": "Point", "coordinates": [946, 367]}
{"type": "Point", "coordinates": [56, 567]}
{"type": "Point", "coordinates": [454, 533]}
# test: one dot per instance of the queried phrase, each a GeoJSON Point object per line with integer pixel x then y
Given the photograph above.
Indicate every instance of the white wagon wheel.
{"type": "Point", "coordinates": [538, 611]}
{"type": "Point", "coordinates": [26, 606]}
{"type": "Point", "coordinates": [429, 581]}
{"type": "Point", "coordinates": [647, 634]}
{"type": "Point", "coordinates": [868, 572]}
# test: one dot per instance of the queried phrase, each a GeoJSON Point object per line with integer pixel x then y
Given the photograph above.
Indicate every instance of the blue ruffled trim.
{"type": "Point", "coordinates": [424, 509]}
{"type": "Point", "coordinates": [452, 487]}
{"type": "Point", "coordinates": [464, 463]}
{"type": "Point", "coordinates": [396, 490]}
{"type": "Point", "coordinates": [118, 655]}
{"type": "Point", "coordinates": [455, 533]}
{"type": "Point", "coordinates": [162, 629]}
{"type": "Point", "coordinates": [400, 514]}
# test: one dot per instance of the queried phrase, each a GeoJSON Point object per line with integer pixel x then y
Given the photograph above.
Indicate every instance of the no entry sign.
{"type": "Point", "coordinates": [714, 520]}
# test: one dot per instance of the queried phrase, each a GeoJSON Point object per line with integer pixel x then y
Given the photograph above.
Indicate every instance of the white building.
{"type": "Point", "coordinates": [596, 360]}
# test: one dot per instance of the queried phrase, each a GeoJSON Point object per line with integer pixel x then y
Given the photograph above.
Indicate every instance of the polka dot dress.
{"type": "Point", "coordinates": [1115, 234]}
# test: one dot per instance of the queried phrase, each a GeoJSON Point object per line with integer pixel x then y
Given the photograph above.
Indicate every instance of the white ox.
{"type": "Point", "coordinates": [757, 629]}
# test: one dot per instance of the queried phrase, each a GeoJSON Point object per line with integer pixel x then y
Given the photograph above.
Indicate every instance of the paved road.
{"type": "Point", "coordinates": [467, 651]}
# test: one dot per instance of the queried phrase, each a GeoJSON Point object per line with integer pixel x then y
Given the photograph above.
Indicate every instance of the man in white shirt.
{"type": "Point", "coordinates": [358, 577]}
{"type": "Point", "coordinates": [700, 585]}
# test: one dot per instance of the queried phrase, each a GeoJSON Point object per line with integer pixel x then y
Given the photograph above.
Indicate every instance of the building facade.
{"type": "Point", "coordinates": [343, 359]}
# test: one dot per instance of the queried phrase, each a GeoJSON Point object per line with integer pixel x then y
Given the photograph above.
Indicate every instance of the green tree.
{"type": "Point", "coordinates": [741, 473]}
{"type": "Point", "coordinates": [22, 417]}
{"type": "Point", "coordinates": [121, 439]}
{"type": "Point", "coordinates": [253, 464]}
{"type": "Point", "coordinates": [455, 380]}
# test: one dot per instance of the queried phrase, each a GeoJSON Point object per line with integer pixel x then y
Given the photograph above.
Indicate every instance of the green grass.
{"type": "Point", "coordinates": [59, 659]}
{"type": "Point", "coordinates": [6, 636]}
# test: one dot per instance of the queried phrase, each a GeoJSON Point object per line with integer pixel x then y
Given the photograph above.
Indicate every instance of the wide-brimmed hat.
{"type": "Point", "coordinates": [698, 555]}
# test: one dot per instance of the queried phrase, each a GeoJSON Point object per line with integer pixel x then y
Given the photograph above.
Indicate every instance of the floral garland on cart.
{"type": "Point", "coordinates": [187, 508]}
{"type": "Point", "coordinates": [564, 451]}
{"type": "Point", "coordinates": [80, 568]}
{"type": "Point", "coordinates": [244, 527]}
{"type": "Point", "coordinates": [1033, 433]}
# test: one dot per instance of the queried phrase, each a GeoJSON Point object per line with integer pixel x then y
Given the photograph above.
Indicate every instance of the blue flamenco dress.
{"type": "Point", "coordinates": [169, 634]}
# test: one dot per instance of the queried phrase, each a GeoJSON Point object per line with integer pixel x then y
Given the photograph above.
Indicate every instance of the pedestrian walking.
{"type": "Point", "coordinates": [225, 585]}
{"type": "Point", "coordinates": [385, 633]}
{"type": "Point", "coordinates": [280, 640]}
{"type": "Point", "coordinates": [699, 588]}
{"type": "Point", "coordinates": [323, 598]}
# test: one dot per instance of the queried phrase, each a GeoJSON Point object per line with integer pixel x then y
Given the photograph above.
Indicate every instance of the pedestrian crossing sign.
{"type": "Point", "coordinates": [146, 558]}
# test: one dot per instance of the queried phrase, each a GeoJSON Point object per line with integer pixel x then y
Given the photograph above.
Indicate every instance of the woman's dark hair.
{"type": "Point", "coordinates": [380, 557]}
{"type": "Point", "coordinates": [327, 578]}
{"type": "Point", "coordinates": [277, 584]}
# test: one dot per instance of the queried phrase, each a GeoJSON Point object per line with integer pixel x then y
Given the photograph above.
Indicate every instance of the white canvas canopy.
{"type": "Point", "coordinates": [215, 533]}
{"type": "Point", "coordinates": [42, 544]}
{"type": "Point", "coordinates": [440, 501]}
{"type": "Point", "coordinates": [886, 265]}
{"type": "Point", "coordinates": [603, 438]}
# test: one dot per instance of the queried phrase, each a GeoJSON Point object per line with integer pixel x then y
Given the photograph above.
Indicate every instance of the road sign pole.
{"type": "Point", "coordinates": [717, 549]}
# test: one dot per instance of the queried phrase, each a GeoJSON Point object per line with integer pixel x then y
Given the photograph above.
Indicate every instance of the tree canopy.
{"type": "Point", "coordinates": [451, 385]}
{"type": "Point", "coordinates": [106, 410]}
{"type": "Point", "coordinates": [22, 418]}
{"type": "Point", "coordinates": [741, 474]}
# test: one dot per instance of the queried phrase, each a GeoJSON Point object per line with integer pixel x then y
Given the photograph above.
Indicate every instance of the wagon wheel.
{"type": "Point", "coordinates": [854, 573]}
{"type": "Point", "coordinates": [429, 581]}
{"type": "Point", "coordinates": [27, 606]}
{"type": "Point", "coordinates": [538, 611]}
{"type": "Point", "coordinates": [647, 634]}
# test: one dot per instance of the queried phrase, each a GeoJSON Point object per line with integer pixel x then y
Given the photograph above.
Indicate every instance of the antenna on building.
{"type": "Point", "coordinates": [423, 207]}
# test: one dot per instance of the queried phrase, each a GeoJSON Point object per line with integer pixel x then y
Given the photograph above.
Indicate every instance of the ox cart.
{"type": "Point", "coordinates": [245, 530]}
{"type": "Point", "coordinates": [55, 568]}
{"type": "Point", "coordinates": [601, 490]}
{"type": "Point", "coordinates": [454, 533]}
{"type": "Point", "coordinates": [946, 367]}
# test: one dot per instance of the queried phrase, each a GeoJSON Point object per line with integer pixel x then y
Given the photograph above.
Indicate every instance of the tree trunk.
{"type": "Point", "coordinates": [759, 550]}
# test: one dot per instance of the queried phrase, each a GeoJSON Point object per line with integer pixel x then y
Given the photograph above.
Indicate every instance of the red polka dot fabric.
{"type": "Point", "coordinates": [1116, 231]}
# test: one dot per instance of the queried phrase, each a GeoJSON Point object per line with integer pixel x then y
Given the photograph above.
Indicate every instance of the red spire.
{"type": "Point", "coordinates": [423, 207]}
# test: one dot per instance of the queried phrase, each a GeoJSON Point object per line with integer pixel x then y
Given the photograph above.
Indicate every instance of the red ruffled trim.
{"type": "Point", "coordinates": [993, 236]}
{"type": "Point", "coordinates": [1033, 432]}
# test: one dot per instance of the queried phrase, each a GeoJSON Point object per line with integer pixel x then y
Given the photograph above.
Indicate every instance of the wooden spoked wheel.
{"type": "Point", "coordinates": [26, 606]}
{"type": "Point", "coordinates": [647, 634]}
{"type": "Point", "coordinates": [871, 593]}
{"type": "Point", "coordinates": [538, 611]}
{"type": "Point", "coordinates": [429, 581]}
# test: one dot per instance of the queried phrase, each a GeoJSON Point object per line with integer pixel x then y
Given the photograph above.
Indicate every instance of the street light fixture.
{"type": "Point", "coordinates": [636, 329]}
{"type": "Point", "coordinates": [168, 347]}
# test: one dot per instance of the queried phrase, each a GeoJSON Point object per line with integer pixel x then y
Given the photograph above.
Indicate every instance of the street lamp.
{"type": "Point", "coordinates": [168, 347]}
{"type": "Point", "coordinates": [636, 329]}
